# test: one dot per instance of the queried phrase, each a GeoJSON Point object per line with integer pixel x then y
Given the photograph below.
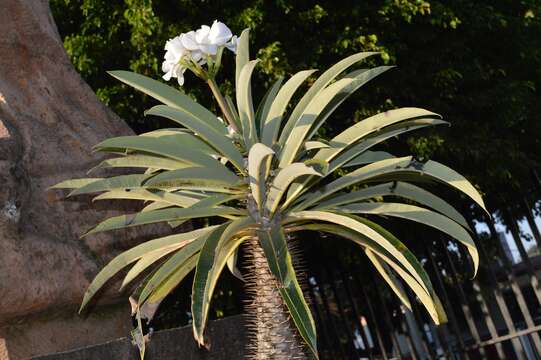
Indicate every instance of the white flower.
{"type": "Point", "coordinates": [211, 38]}
{"type": "Point", "coordinates": [219, 33]}
{"type": "Point", "coordinates": [175, 51]}
{"type": "Point", "coordinates": [195, 47]}
{"type": "Point", "coordinates": [232, 45]}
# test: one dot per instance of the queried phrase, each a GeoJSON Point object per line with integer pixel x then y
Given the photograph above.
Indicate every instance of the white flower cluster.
{"type": "Point", "coordinates": [195, 48]}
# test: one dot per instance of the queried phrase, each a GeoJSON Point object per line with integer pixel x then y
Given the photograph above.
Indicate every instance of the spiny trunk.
{"type": "Point", "coordinates": [271, 330]}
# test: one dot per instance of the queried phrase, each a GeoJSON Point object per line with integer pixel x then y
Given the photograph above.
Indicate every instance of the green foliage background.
{"type": "Point", "coordinates": [476, 62]}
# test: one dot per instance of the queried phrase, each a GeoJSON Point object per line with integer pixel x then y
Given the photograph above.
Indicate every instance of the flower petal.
{"type": "Point", "coordinates": [219, 33]}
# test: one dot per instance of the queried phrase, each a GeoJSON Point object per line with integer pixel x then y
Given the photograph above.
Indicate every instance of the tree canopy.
{"type": "Point", "coordinates": [478, 63]}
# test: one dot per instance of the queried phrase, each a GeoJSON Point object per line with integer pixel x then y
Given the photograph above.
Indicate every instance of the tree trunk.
{"type": "Point", "coordinates": [271, 332]}
{"type": "Point", "coordinates": [49, 121]}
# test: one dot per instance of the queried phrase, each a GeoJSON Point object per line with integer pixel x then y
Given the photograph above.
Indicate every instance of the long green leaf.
{"type": "Point", "coordinates": [181, 199]}
{"type": "Point", "coordinates": [282, 181]}
{"type": "Point", "coordinates": [398, 189]}
{"type": "Point", "coordinates": [266, 103]}
{"type": "Point", "coordinates": [167, 146]}
{"type": "Point", "coordinates": [430, 301]}
{"type": "Point", "coordinates": [218, 141]}
{"type": "Point", "coordinates": [318, 86]}
{"type": "Point", "coordinates": [172, 281]}
{"type": "Point", "coordinates": [243, 54]}
{"type": "Point", "coordinates": [278, 257]}
{"type": "Point", "coordinates": [169, 96]}
{"type": "Point", "coordinates": [368, 126]}
{"type": "Point", "coordinates": [368, 157]}
{"type": "Point", "coordinates": [367, 229]}
{"type": "Point", "coordinates": [315, 145]}
{"type": "Point", "coordinates": [164, 215]}
{"type": "Point", "coordinates": [420, 215]}
{"type": "Point", "coordinates": [74, 183]}
{"type": "Point", "coordinates": [195, 176]}
{"type": "Point", "coordinates": [388, 276]}
{"type": "Point", "coordinates": [279, 106]}
{"type": "Point", "coordinates": [125, 182]}
{"type": "Point", "coordinates": [144, 161]}
{"type": "Point", "coordinates": [213, 257]}
{"type": "Point", "coordinates": [395, 167]}
{"type": "Point", "coordinates": [257, 156]}
{"type": "Point", "coordinates": [174, 263]}
{"type": "Point", "coordinates": [134, 254]}
{"type": "Point", "coordinates": [408, 267]}
{"type": "Point", "coordinates": [145, 262]}
{"type": "Point", "coordinates": [348, 153]}
{"type": "Point", "coordinates": [364, 76]}
{"type": "Point", "coordinates": [245, 104]}
{"type": "Point", "coordinates": [322, 106]}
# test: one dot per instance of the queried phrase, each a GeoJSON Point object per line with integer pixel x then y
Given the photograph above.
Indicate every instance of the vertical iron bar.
{"type": "Point", "coordinates": [321, 287]}
{"type": "Point", "coordinates": [451, 312]}
{"type": "Point", "coordinates": [465, 308]}
{"type": "Point", "coordinates": [376, 325]}
{"type": "Point", "coordinates": [386, 316]}
{"type": "Point", "coordinates": [498, 293]}
{"type": "Point", "coordinates": [343, 316]}
{"type": "Point", "coordinates": [529, 217]}
{"type": "Point", "coordinates": [319, 317]}
{"type": "Point", "coordinates": [356, 312]}
{"type": "Point", "coordinates": [512, 280]}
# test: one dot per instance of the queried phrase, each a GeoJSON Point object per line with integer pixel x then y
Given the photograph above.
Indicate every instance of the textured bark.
{"type": "Point", "coordinates": [49, 121]}
{"type": "Point", "coordinates": [272, 334]}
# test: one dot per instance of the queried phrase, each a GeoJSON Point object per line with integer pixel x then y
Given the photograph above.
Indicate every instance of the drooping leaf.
{"type": "Point", "coordinates": [278, 257]}
{"type": "Point", "coordinates": [368, 157]}
{"type": "Point", "coordinates": [232, 265]}
{"type": "Point", "coordinates": [388, 276]}
{"type": "Point", "coordinates": [395, 167]}
{"type": "Point", "coordinates": [421, 215]}
{"type": "Point", "coordinates": [218, 247]}
{"type": "Point", "coordinates": [398, 189]}
{"type": "Point", "coordinates": [145, 262]}
{"type": "Point", "coordinates": [175, 263]}
{"type": "Point", "coordinates": [367, 229]}
{"type": "Point", "coordinates": [134, 254]}
{"type": "Point", "coordinates": [408, 268]}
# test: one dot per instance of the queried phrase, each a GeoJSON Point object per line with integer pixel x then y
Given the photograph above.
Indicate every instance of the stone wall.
{"type": "Point", "coordinates": [49, 121]}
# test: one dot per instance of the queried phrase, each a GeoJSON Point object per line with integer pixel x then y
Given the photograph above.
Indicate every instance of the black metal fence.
{"type": "Point", "coordinates": [496, 315]}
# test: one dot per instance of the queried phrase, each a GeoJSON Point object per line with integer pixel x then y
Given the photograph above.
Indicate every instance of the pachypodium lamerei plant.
{"type": "Point", "coordinates": [266, 176]}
